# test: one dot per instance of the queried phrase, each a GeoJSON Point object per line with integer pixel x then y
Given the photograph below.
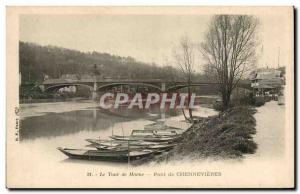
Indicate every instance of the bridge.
{"type": "Point", "coordinates": [97, 84]}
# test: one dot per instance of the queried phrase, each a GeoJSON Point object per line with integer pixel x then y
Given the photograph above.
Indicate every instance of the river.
{"type": "Point", "coordinates": [46, 126]}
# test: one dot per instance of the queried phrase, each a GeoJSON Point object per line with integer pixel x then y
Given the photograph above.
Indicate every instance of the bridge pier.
{"type": "Point", "coordinates": [163, 86]}
{"type": "Point", "coordinates": [42, 87]}
{"type": "Point", "coordinates": [94, 92]}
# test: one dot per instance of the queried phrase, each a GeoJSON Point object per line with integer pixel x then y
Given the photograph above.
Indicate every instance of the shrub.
{"type": "Point", "coordinates": [245, 100]}
{"type": "Point", "coordinates": [259, 101]}
{"type": "Point", "coordinates": [245, 146]}
{"type": "Point", "coordinates": [228, 135]}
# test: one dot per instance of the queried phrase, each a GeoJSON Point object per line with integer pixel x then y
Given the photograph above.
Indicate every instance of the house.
{"type": "Point", "coordinates": [266, 81]}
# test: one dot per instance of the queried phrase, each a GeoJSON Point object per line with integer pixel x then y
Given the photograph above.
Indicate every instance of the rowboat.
{"type": "Point", "coordinates": [155, 126]}
{"type": "Point", "coordinates": [112, 142]}
{"type": "Point", "coordinates": [128, 146]}
{"type": "Point", "coordinates": [147, 138]}
{"type": "Point", "coordinates": [161, 132]}
{"type": "Point", "coordinates": [114, 156]}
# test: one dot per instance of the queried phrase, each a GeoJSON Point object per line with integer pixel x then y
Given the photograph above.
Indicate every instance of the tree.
{"type": "Point", "coordinates": [229, 51]}
{"type": "Point", "coordinates": [184, 58]}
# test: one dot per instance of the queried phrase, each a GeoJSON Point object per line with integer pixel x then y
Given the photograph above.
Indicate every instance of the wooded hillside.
{"type": "Point", "coordinates": [36, 61]}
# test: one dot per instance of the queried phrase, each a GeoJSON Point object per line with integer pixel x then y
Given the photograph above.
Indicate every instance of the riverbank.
{"type": "Point", "coordinates": [51, 100]}
{"type": "Point", "coordinates": [228, 135]}
{"type": "Point", "coordinates": [270, 137]}
{"type": "Point", "coordinates": [39, 109]}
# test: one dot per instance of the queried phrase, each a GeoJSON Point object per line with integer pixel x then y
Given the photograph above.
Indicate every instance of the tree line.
{"type": "Point", "coordinates": [37, 61]}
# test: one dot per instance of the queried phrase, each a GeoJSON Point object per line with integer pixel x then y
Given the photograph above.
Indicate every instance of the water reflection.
{"type": "Point", "coordinates": [94, 119]}
{"type": "Point", "coordinates": [57, 124]}
{"type": "Point", "coordinates": [46, 126]}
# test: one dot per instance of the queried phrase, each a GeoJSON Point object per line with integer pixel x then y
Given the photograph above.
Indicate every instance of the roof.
{"type": "Point", "coordinates": [264, 73]}
{"type": "Point", "coordinates": [263, 86]}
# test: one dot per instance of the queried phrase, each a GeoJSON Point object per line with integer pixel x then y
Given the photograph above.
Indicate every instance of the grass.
{"type": "Point", "coordinates": [228, 135]}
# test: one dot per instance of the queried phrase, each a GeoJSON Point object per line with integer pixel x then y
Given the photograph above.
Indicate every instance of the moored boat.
{"type": "Point", "coordinates": [155, 126]}
{"type": "Point", "coordinates": [112, 142]}
{"type": "Point", "coordinates": [113, 156]}
{"type": "Point", "coordinates": [148, 138]}
{"type": "Point", "coordinates": [150, 132]}
{"type": "Point", "coordinates": [126, 147]}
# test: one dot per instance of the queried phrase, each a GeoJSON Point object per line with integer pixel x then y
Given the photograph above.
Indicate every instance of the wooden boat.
{"type": "Point", "coordinates": [120, 147]}
{"type": "Point", "coordinates": [163, 132]}
{"type": "Point", "coordinates": [147, 138]}
{"type": "Point", "coordinates": [159, 126]}
{"type": "Point", "coordinates": [155, 126]}
{"type": "Point", "coordinates": [112, 142]}
{"type": "Point", "coordinates": [113, 156]}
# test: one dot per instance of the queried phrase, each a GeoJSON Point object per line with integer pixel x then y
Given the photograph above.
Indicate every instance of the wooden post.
{"type": "Point", "coordinates": [122, 130]}
{"type": "Point", "coordinates": [128, 151]}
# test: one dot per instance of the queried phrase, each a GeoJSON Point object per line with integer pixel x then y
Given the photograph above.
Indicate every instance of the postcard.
{"type": "Point", "coordinates": [150, 97]}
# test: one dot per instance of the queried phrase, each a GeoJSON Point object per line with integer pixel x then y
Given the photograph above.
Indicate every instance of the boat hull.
{"type": "Point", "coordinates": [146, 138]}
{"type": "Point", "coordinates": [164, 147]}
{"type": "Point", "coordinates": [118, 142]}
{"type": "Point", "coordinates": [106, 156]}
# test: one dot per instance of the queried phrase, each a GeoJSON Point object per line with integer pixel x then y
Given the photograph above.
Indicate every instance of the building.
{"type": "Point", "coordinates": [267, 81]}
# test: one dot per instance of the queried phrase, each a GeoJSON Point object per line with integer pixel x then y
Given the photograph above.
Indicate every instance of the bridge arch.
{"type": "Point", "coordinates": [180, 86]}
{"type": "Point", "coordinates": [128, 83]}
{"type": "Point", "coordinates": [58, 86]}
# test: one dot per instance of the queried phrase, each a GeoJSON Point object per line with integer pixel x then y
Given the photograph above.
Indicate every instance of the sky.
{"type": "Point", "coordinates": [147, 38]}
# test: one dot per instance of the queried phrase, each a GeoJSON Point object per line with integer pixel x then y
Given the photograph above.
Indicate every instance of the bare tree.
{"type": "Point", "coordinates": [229, 51]}
{"type": "Point", "coordinates": [184, 58]}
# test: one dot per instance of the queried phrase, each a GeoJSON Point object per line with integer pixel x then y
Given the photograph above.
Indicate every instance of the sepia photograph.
{"type": "Point", "coordinates": [150, 97]}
